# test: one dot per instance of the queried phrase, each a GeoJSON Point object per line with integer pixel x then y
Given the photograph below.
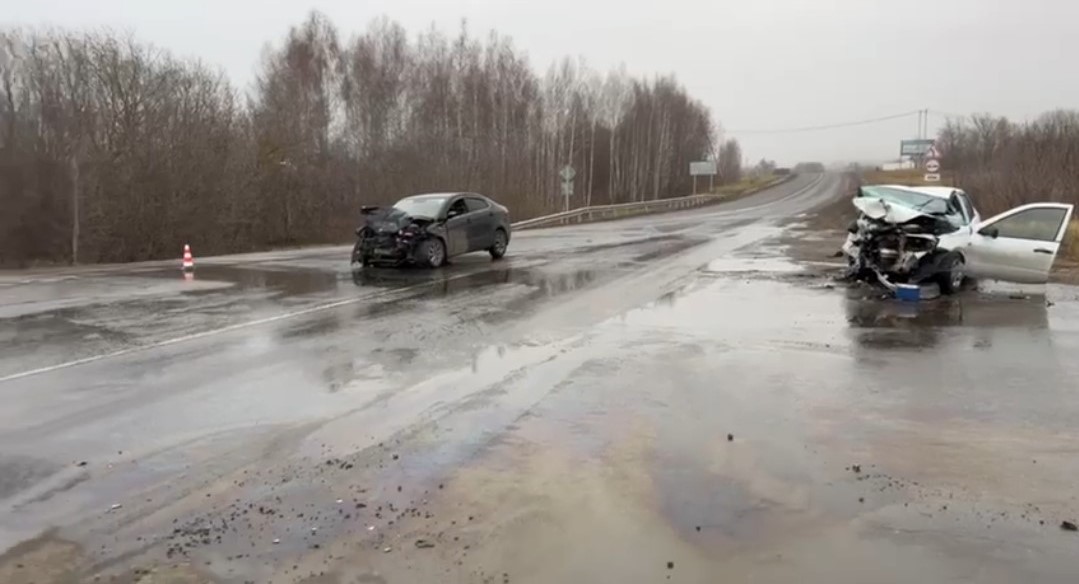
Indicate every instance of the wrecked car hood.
{"type": "Point", "coordinates": [882, 210]}
{"type": "Point", "coordinates": [391, 220]}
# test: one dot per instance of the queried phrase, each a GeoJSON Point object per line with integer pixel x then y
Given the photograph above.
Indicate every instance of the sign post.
{"type": "Point", "coordinates": [567, 174]}
{"type": "Point", "coordinates": [703, 168]}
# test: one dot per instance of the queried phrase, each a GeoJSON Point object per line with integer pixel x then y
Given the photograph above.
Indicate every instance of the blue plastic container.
{"type": "Point", "coordinates": [908, 292]}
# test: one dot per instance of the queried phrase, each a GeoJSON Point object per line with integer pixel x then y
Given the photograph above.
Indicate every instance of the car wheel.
{"type": "Point", "coordinates": [498, 249]}
{"type": "Point", "coordinates": [433, 252]}
{"type": "Point", "coordinates": [951, 278]}
{"type": "Point", "coordinates": [357, 254]}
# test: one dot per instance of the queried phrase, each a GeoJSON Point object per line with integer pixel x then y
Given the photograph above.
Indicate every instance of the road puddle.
{"type": "Point", "coordinates": [755, 419]}
{"type": "Point", "coordinates": [750, 265]}
{"type": "Point", "coordinates": [547, 282]}
{"type": "Point", "coordinates": [281, 281]}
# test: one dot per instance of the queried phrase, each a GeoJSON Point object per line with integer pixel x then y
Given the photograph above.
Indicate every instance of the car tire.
{"type": "Point", "coordinates": [953, 274]}
{"type": "Point", "coordinates": [498, 249]}
{"type": "Point", "coordinates": [432, 252]}
{"type": "Point", "coordinates": [357, 254]}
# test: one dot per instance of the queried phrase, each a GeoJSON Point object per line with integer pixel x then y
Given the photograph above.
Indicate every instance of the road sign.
{"type": "Point", "coordinates": [567, 188]}
{"type": "Point", "coordinates": [932, 165]}
{"type": "Point", "coordinates": [933, 152]}
{"type": "Point", "coordinates": [931, 177]}
{"type": "Point", "coordinates": [918, 147]}
{"type": "Point", "coordinates": [703, 168]}
{"type": "Point", "coordinates": [567, 173]}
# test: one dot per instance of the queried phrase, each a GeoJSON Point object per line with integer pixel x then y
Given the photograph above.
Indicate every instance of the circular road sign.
{"type": "Point", "coordinates": [932, 165]}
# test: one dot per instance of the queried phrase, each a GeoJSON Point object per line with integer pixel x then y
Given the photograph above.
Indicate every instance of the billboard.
{"type": "Point", "coordinates": [704, 168]}
{"type": "Point", "coordinates": [916, 147]}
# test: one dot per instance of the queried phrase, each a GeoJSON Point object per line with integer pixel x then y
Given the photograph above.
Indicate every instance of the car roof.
{"type": "Point", "coordinates": [938, 192]}
{"type": "Point", "coordinates": [440, 195]}
{"type": "Point", "coordinates": [431, 196]}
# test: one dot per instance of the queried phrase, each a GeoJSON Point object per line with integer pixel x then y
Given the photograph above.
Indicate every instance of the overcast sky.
{"type": "Point", "coordinates": [758, 64]}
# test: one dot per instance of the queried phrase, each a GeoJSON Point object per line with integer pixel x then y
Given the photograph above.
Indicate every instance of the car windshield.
{"type": "Point", "coordinates": [927, 204]}
{"type": "Point", "coordinates": [420, 206]}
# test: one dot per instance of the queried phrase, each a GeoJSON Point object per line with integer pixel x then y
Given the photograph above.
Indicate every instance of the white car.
{"type": "Point", "coordinates": [915, 235]}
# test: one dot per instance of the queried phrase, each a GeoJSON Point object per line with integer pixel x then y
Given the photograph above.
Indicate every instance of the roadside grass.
{"type": "Point", "coordinates": [910, 177]}
{"type": "Point", "coordinates": [747, 183]}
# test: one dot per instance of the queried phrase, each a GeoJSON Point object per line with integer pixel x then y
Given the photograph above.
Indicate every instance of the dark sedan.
{"type": "Point", "coordinates": [428, 229]}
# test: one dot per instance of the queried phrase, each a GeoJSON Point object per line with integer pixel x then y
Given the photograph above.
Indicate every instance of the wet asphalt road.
{"type": "Point", "coordinates": [657, 399]}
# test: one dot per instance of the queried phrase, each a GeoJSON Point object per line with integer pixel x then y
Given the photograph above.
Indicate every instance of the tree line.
{"type": "Point", "coordinates": [1004, 164]}
{"type": "Point", "coordinates": [114, 150]}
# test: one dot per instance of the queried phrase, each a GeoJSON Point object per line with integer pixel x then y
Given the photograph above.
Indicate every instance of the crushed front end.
{"type": "Point", "coordinates": [887, 253]}
{"type": "Point", "coordinates": [388, 236]}
{"type": "Point", "coordinates": [891, 245]}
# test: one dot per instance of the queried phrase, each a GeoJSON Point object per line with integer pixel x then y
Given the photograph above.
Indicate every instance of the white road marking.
{"type": "Point", "coordinates": [230, 328]}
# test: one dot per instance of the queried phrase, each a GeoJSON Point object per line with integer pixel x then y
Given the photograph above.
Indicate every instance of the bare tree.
{"type": "Point", "coordinates": [111, 150]}
{"type": "Point", "coordinates": [1005, 164]}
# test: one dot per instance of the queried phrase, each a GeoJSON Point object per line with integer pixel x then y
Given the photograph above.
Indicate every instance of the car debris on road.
{"type": "Point", "coordinates": [922, 235]}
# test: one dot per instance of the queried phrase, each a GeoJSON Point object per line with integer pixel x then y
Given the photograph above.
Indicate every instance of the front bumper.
{"type": "Point", "coordinates": [384, 248]}
{"type": "Point", "coordinates": [896, 267]}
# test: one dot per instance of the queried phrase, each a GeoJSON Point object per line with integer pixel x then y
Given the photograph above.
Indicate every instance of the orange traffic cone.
{"type": "Point", "coordinates": [189, 262]}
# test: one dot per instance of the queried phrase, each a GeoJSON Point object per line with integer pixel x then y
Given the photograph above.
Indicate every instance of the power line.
{"type": "Point", "coordinates": [947, 115]}
{"type": "Point", "coordinates": [828, 126]}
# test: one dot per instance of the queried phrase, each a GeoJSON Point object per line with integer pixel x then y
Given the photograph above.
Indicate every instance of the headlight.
{"type": "Point", "coordinates": [921, 243]}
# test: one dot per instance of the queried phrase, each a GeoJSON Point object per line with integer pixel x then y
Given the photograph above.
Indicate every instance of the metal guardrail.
{"type": "Point", "coordinates": [607, 212]}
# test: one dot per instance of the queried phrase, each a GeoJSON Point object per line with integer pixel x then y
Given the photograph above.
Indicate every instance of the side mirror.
{"type": "Point", "coordinates": [990, 232]}
{"type": "Point", "coordinates": [451, 214]}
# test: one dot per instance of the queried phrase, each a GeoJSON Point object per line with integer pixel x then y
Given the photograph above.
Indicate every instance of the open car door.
{"type": "Point", "coordinates": [1018, 245]}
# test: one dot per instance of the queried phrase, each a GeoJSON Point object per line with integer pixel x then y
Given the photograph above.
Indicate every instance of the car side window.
{"type": "Point", "coordinates": [1040, 224]}
{"type": "Point", "coordinates": [476, 204]}
{"type": "Point", "coordinates": [458, 207]}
